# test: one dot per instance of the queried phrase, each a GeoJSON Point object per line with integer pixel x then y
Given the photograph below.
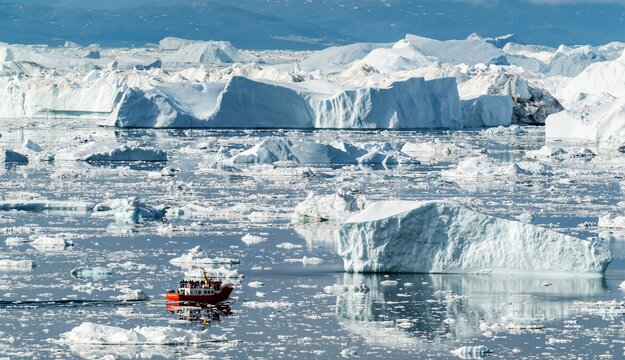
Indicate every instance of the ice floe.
{"type": "Point", "coordinates": [483, 166]}
{"type": "Point", "coordinates": [129, 210]}
{"type": "Point", "coordinates": [94, 151]}
{"type": "Point", "coordinates": [250, 239]}
{"type": "Point", "coordinates": [335, 207]}
{"type": "Point", "coordinates": [51, 243]}
{"type": "Point", "coordinates": [97, 272]}
{"type": "Point", "coordinates": [96, 334]}
{"type": "Point", "coordinates": [16, 264]}
{"type": "Point", "coordinates": [197, 257]}
{"type": "Point", "coordinates": [444, 237]}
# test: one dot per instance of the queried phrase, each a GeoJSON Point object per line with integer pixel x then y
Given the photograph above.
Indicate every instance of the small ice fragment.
{"type": "Point", "coordinates": [472, 352]}
{"type": "Point", "coordinates": [256, 284]}
{"type": "Point", "coordinates": [250, 239]}
{"type": "Point", "coordinates": [288, 246]}
{"type": "Point", "coordinates": [131, 295]}
{"type": "Point", "coordinates": [97, 272]}
{"type": "Point", "coordinates": [15, 241]}
{"type": "Point", "coordinates": [16, 264]}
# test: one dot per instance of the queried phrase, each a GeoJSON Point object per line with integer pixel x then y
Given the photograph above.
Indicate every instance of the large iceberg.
{"type": "Point", "coordinates": [602, 125]}
{"type": "Point", "coordinates": [444, 237]}
{"type": "Point", "coordinates": [413, 103]}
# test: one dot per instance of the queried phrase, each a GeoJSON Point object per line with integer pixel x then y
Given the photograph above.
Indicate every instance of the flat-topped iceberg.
{"type": "Point", "coordinates": [444, 237]}
{"type": "Point", "coordinates": [412, 103]}
{"type": "Point", "coordinates": [94, 151]}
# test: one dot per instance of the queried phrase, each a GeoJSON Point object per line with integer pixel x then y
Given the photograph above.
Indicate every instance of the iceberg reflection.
{"type": "Point", "coordinates": [440, 309]}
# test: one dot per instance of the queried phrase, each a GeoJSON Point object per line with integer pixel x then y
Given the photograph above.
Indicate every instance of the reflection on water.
{"type": "Point", "coordinates": [322, 236]}
{"type": "Point", "coordinates": [423, 310]}
{"type": "Point", "coordinates": [207, 314]}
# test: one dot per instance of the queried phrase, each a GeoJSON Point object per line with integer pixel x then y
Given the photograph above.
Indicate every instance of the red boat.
{"type": "Point", "coordinates": [200, 291]}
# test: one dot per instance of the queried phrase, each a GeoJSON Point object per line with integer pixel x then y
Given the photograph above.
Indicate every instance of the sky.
{"type": "Point", "coordinates": [308, 24]}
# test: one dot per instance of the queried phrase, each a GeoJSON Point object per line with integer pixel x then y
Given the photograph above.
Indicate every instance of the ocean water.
{"type": "Point", "coordinates": [303, 310]}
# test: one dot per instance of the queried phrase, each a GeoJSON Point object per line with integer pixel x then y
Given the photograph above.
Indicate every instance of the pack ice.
{"type": "Point", "coordinates": [444, 237]}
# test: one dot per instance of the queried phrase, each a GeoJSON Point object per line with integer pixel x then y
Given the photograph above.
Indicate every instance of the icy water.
{"type": "Point", "coordinates": [302, 310]}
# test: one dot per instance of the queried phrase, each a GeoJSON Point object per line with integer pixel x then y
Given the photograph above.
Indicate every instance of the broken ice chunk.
{"type": "Point", "coordinates": [197, 257]}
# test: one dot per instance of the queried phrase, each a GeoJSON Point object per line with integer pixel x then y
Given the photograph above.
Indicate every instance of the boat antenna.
{"type": "Point", "coordinates": [206, 279]}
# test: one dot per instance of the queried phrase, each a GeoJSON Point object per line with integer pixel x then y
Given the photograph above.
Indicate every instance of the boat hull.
{"type": "Point", "coordinates": [208, 299]}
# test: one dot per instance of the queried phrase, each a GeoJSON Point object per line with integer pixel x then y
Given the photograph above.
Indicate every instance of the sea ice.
{"type": "Point", "coordinates": [250, 239]}
{"type": "Point", "coordinates": [483, 166]}
{"type": "Point", "coordinates": [94, 151]}
{"type": "Point", "coordinates": [335, 207]}
{"type": "Point", "coordinates": [16, 264]}
{"type": "Point", "coordinates": [197, 257]}
{"type": "Point", "coordinates": [46, 242]}
{"type": "Point", "coordinates": [444, 237]}
{"type": "Point", "coordinates": [95, 334]}
{"type": "Point", "coordinates": [129, 210]}
{"type": "Point", "coordinates": [96, 272]}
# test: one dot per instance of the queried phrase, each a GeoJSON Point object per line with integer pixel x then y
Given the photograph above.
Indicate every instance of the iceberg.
{"type": "Point", "coordinates": [12, 157]}
{"type": "Point", "coordinates": [602, 125]}
{"type": "Point", "coordinates": [275, 149]}
{"type": "Point", "coordinates": [94, 151]}
{"type": "Point", "coordinates": [444, 237]}
{"type": "Point", "coordinates": [129, 210]}
{"type": "Point", "coordinates": [335, 207]}
{"type": "Point", "coordinates": [413, 103]}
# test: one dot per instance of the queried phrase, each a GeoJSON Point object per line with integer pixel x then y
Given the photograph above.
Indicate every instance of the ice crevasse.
{"type": "Point", "coordinates": [444, 237]}
{"type": "Point", "coordinates": [241, 102]}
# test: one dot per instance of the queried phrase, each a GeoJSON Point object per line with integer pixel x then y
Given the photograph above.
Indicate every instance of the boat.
{"type": "Point", "coordinates": [205, 291]}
